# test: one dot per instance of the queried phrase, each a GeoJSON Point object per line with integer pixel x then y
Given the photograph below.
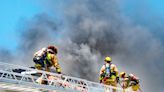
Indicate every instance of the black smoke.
{"type": "Point", "coordinates": [35, 35]}
{"type": "Point", "coordinates": [95, 29]}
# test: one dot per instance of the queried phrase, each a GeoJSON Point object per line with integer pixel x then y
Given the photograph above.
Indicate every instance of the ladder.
{"type": "Point", "coordinates": [27, 81]}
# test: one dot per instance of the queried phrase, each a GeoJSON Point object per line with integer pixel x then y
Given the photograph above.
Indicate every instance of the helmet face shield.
{"type": "Point", "coordinates": [50, 51]}
{"type": "Point", "coordinates": [108, 61]}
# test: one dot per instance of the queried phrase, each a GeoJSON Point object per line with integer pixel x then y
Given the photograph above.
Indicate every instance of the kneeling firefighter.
{"type": "Point", "coordinates": [46, 58]}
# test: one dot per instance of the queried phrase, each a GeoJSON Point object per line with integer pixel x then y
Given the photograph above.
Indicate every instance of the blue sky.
{"type": "Point", "coordinates": [12, 12]}
{"type": "Point", "coordinates": [154, 6]}
{"type": "Point", "coordinates": [147, 12]}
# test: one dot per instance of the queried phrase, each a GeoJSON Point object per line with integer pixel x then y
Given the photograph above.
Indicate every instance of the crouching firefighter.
{"type": "Point", "coordinates": [129, 80]}
{"type": "Point", "coordinates": [45, 59]}
{"type": "Point", "coordinates": [109, 73]}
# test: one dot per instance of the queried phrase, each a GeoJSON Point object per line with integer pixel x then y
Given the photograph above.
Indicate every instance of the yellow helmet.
{"type": "Point", "coordinates": [108, 59]}
{"type": "Point", "coordinates": [122, 74]}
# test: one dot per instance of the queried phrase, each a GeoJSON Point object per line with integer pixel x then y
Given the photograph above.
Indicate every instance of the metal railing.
{"type": "Point", "coordinates": [28, 81]}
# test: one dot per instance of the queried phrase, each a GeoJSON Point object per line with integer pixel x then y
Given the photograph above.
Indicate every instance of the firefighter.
{"type": "Point", "coordinates": [46, 58]}
{"type": "Point", "coordinates": [129, 80]}
{"type": "Point", "coordinates": [109, 73]}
